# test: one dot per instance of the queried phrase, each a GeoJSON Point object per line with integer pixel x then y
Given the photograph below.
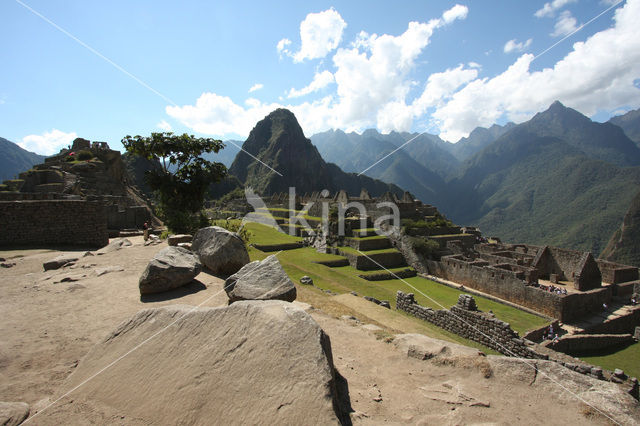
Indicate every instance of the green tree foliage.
{"type": "Point", "coordinates": [184, 176]}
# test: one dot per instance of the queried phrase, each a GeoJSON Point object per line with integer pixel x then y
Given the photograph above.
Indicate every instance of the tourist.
{"type": "Point", "coordinates": [145, 233]}
{"type": "Point", "coordinates": [633, 300]}
{"type": "Point", "coordinates": [604, 307]}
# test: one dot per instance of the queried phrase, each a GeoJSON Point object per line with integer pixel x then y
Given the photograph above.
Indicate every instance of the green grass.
{"type": "Point", "coordinates": [626, 359]}
{"type": "Point", "coordinates": [299, 262]}
{"type": "Point", "coordinates": [368, 253]}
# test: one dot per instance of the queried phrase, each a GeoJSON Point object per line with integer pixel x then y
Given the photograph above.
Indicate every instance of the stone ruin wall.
{"type": "Point", "coordinates": [480, 327]}
{"type": "Point", "coordinates": [119, 214]}
{"type": "Point", "coordinates": [615, 273]}
{"type": "Point", "coordinates": [53, 223]}
{"type": "Point", "coordinates": [511, 286]}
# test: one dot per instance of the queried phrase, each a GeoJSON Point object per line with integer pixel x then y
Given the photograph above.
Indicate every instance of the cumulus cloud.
{"type": "Point", "coordinates": [255, 87]}
{"type": "Point", "coordinates": [441, 86]}
{"type": "Point", "coordinates": [598, 74]}
{"type": "Point", "coordinates": [163, 125]}
{"type": "Point", "coordinates": [320, 81]}
{"type": "Point", "coordinates": [456, 12]}
{"type": "Point", "coordinates": [549, 9]}
{"type": "Point", "coordinates": [514, 46]}
{"type": "Point", "coordinates": [320, 33]}
{"type": "Point", "coordinates": [565, 25]}
{"type": "Point", "coordinates": [374, 86]}
{"type": "Point", "coordinates": [48, 143]}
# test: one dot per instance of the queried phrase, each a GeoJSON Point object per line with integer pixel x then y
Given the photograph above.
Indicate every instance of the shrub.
{"type": "Point", "coordinates": [427, 248]}
{"type": "Point", "coordinates": [84, 155]}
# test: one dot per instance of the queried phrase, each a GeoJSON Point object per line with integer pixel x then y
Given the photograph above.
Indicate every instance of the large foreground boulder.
{"type": "Point", "coordinates": [260, 280]}
{"type": "Point", "coordinates": [221, 251]}
{"type": "Point", "coordinates": [254, 362]}
{"type": "Point", "coordinates": [170, 268]}
{"type": "Point", "coordinates": [13, 413]}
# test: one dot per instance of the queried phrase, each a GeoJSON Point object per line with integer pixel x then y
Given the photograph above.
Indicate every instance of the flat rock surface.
{"type": "Point", "coordinates": [261, 280]}
{"type": "Point", "coordinates": [258, 362]}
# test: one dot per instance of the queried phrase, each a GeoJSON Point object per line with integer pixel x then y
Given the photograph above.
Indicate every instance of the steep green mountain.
{"type": "Point", "coordinates": [278, 142]}
{"type": "Point", "coordinates": [477, 140]}
{"type": "Point", "coordinates": [624, 245]}
{"type": "Point", "coordinates": [136, 166]}
{"type": "Point", "coordinates": [630, 123]}
{"type": "Point", "coordinates": [603, 141]}
{"type": "Point", "coordinates": [542, 190]}
{"type": "Point", "coordinates": [14, 160]}
{"type": "Point", "coordinates": [353, 152]}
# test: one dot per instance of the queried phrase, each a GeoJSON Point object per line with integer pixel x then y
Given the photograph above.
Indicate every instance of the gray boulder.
{"type": "Point", "coordinates": [306, 280]}
{"type": "Point", "coordinates": [171, 267]}
{"type": "Point", "coordinates": [66, 259]}
{"type": "Point", "coordinates": [254, 362]}
{"type": "Point", "coordinates": [221, 251]}
{"type": "Point", "coordinates": [260, 280]}
{"type": "Point", "coordinates": [13, 413]}
{"type": "Point", "coordinates": [174, 240]}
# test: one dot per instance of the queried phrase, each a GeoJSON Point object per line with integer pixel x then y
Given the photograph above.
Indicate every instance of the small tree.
{"type": "Point", "coordinates": [184, 177]}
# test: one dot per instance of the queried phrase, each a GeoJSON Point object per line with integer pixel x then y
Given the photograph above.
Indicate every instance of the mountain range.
{"type": "Point", "coordinates": [558, 179]}
{"type": "Point", "coordinates": [282, 157]}
{"type": "Point", "coordinates": [14, 159]}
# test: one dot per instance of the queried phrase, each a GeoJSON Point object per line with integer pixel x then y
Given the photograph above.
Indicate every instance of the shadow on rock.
{"type": "Point", "coordinates": [343, 399]}
{"type": "Point", "coordinates": [191, 288]}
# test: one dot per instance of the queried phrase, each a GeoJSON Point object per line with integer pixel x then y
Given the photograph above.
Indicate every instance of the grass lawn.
{"type": "Point", "coordinates": [299, 262]}
{"type": "Point", "coordinates": [368, 253]}
{"type": "Point", "coordinates": [627, 359]}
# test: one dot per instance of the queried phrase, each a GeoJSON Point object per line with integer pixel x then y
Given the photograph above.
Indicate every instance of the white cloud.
{"type": "Point", "coordinates": [282, 47]}
{"type": "Point", "coordinates": [320, 33]}
{"type": "Point", "coordinates": [597, 75]}
{"type": "Point", "coordinates": [565, 25]}
{"type": "Point", "coordinates": [474, 65]}
{"type": "Point", "coordinates": [549, 9]}
{"type": "Point", "coordinates": [456, 12]}
{"type": "Point", "coordinates": [48, 143]}
{"type": "Point", "coordinates": [374, 84]}
{"type": "Point", "coordinates": [163, 125]}
{"type": "Point", "coordinates": [441, 86]}
{"type": "Point", "coordinates": [320, 81]}
{"type": "Point", "coordinates": [255, 87]}
{"type": "Point", "coordinates": [512, 45]}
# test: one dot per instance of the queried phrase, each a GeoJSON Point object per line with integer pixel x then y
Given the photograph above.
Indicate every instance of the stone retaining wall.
{"type": "Point", "coordinates": [53, 223]}
{"type": "Point", "coordinates": [579, 344]}
{"type": "Point", "coordinates": [473, 325]}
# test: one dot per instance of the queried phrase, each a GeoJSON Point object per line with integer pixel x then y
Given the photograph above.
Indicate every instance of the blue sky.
{"type": "Point", "coordinates": [216, 68]}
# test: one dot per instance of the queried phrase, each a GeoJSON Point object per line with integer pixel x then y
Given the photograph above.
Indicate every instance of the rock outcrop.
{"type": "Point", "coordinates": [13, 413]}
{"type": "Point", "coordinates": [221, 251]}
{"type": "Point", "coordinates": [170, 268]}
{"type": "Point", "coordinates": [255, 362]}
{"type": "Point", "coordinates": [260, 280]}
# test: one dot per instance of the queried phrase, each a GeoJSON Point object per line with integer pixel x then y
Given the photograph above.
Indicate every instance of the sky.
{"type": "Point", "coordinates": [103, 70]}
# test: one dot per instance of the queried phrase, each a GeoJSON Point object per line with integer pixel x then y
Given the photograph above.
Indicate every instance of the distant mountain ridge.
{"type": "Point", "coordinates": [15, 160]}
{"type": "Point", "coordinates": [630, 123]}
{"type": "Point", "coordinates": [558, 178]}
{"type": "Point", "coordinates": [287, 158]}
